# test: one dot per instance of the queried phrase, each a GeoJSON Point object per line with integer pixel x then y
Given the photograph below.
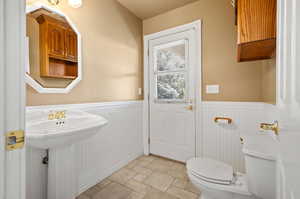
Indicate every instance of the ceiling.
{"type": "Point", "coordinates": [145, 9]}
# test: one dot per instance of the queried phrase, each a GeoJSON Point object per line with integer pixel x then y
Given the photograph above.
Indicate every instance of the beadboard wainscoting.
{"type": "Point", "coordinates": [117, 144]}
{"type": "Point", "coordinates": [121, 140]}
{"type": "Point", "coordinates": [222, 141]}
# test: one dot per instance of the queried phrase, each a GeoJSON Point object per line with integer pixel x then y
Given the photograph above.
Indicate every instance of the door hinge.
{"type": "Point", "coordinates": [15, 140]}
{"type": "Point", "coordinates": [148, 140]}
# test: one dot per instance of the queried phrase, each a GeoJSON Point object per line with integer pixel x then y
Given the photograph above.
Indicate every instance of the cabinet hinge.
{"type": "Point", "coordinates": [14, 140]}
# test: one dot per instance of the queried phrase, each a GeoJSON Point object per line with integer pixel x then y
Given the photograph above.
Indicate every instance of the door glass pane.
{"type": "Point", "coordinates": [171, 86]}
{"type": "Point", "coordinates": [171, 58]}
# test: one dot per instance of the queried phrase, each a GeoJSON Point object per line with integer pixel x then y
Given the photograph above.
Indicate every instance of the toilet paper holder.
{"type": "Point", "coordinates": [217, 119]}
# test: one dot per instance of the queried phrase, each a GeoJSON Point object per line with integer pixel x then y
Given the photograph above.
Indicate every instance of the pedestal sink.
{"type": "Point", "coordinates": [58, 135]}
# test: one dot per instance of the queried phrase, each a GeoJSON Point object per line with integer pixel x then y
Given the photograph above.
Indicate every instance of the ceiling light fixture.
{"type": "Point", "coordinates": [54, 2]}
{"type": "Point", "coordinates": [75, 3]}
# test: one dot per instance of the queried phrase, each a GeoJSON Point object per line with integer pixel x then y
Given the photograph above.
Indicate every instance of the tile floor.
{"type": "Point", "coordinates": [148, 177]}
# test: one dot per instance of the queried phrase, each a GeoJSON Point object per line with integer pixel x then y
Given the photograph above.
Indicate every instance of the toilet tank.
{"type": "Point", "coordinates": [260, 156]}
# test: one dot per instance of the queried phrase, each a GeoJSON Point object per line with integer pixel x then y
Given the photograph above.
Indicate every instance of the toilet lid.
{"type": "Point", "coordinates": [211, 170]}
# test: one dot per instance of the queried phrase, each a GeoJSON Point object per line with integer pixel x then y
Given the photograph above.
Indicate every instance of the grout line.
{"type": "Point", "coordinates": [153, 171]}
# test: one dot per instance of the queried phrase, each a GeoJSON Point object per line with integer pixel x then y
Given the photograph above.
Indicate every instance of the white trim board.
{"type": "Point", "coordinates": [12, 96]}
{"type": "Point", "coordinates": [85, 105]}
{"type": "Point", "coordinates": [36, 85]}
{"type": "Point", "coordinates": [197, 25]}
{"type": "Point", "coordinates": [2, 103]}
{"type": "Point", "coordinates": [257, 105]}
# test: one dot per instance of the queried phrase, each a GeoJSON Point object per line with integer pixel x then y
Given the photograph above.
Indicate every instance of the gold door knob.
{"type": "Point", "coordinates": [190, 107]}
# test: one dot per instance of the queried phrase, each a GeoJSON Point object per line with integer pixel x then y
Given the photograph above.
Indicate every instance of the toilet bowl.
{"type": "Point", "coordinates": [217, 180]}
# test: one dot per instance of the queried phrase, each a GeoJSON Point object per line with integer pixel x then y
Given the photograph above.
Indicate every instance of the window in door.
{"type": "Point", "coordinates": [171, 72]}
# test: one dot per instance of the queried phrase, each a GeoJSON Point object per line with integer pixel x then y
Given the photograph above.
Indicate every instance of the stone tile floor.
{"type": "Point", "coordinates": [148, 177]}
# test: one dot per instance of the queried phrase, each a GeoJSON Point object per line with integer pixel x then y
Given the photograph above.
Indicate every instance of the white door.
{"type": "Point", "coordinates": [12, 100]}
{"type": "Point", "coordinates": [172, 60]}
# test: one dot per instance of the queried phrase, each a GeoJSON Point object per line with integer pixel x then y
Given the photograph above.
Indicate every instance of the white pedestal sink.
{"type": "Point", "coordinates": [59, 137]}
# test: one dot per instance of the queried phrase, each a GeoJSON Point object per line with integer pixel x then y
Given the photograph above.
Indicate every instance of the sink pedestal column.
{"type": "Point", "coordinates": [62, 175]}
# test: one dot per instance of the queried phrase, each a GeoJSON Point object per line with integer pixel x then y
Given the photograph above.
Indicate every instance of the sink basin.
{"type": "Point", "coordinates": [45, 134]}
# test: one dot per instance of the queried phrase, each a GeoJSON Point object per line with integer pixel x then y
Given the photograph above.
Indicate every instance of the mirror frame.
{"type": "Point", "coordinates": [32, 82]}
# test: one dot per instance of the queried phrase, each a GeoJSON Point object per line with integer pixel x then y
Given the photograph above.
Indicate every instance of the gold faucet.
{"type": "Point", "coordinates": [273, 127]}
{"type": "Point", "coordinates": [57, 115]}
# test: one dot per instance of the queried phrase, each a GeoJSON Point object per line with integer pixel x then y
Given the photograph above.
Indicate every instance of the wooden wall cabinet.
{"type": "Point", "coordinates": [256, 21]}
{"type": "Point", "coordinates": [58, 48]}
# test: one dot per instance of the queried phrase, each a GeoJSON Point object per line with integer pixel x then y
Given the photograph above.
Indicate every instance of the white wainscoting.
{"type": "Point", "coordinates": [116, 145]}
{"type": "Point", "coordinates": [222, 142]}
{"type": "Point", "coordinates": [121, 140]}
{"type": "Point", "coordinates": [36, 174]}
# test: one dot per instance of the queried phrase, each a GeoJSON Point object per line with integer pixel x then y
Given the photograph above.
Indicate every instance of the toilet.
{"type": "Point", "coordinates": [217, 180]}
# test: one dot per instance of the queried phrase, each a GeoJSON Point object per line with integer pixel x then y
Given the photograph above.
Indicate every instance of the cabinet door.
{"type": "Point", "coordinates": [70, 45]}
{"type": "Point", "coordinates": [256, 20]}
{"type": "Point", "coordinates": [56, 43]}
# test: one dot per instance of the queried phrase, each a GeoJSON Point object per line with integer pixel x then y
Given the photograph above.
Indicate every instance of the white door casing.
{"type": "Point", "coordinates": [2, 140]}
{"type": "Point", "coordinates": [168, 122]}
{"type": "Point", "coordinates": [287, 64]}
{"type": "Point", "coordinates": [12, 96]}
{"type": "Point", "coordinates": [288, 81]}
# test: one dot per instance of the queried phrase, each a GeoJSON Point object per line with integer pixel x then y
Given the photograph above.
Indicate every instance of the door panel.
{"type": "Point", "coordinates": [71, 45]}
{"type": "Point", "coordinates": [171, 97]}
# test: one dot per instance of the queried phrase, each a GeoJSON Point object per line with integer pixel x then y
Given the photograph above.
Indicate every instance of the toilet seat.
{"type": "Point", "coordinates": [211, 170]}
{"type": "Point", "coordinates": [206, 172]}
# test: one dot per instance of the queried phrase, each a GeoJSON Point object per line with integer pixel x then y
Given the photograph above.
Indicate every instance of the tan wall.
{"type": "Point", "coordinates": [238, 81]}
{"type": "Point", "coordinates": [112, 55]}
{"type": "Point", "coordinates": [269, 81]}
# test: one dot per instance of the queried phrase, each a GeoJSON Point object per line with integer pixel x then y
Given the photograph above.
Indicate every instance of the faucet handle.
{"type": "Point", "coordinates": [63, 114]}
{"type": "Point", "coordinates": [51, 115]}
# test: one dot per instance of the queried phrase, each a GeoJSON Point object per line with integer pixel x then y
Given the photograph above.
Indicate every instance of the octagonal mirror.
{"type": "Point", "coordinates": [53, 50]}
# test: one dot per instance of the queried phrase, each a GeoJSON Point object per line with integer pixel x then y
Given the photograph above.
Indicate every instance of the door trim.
{"type": "Point", "coordinates": [2, 141]}
{"type": "Point", "coordinates": [197, 26]}
{"type": "Point", "coordinates": [12, 96]}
